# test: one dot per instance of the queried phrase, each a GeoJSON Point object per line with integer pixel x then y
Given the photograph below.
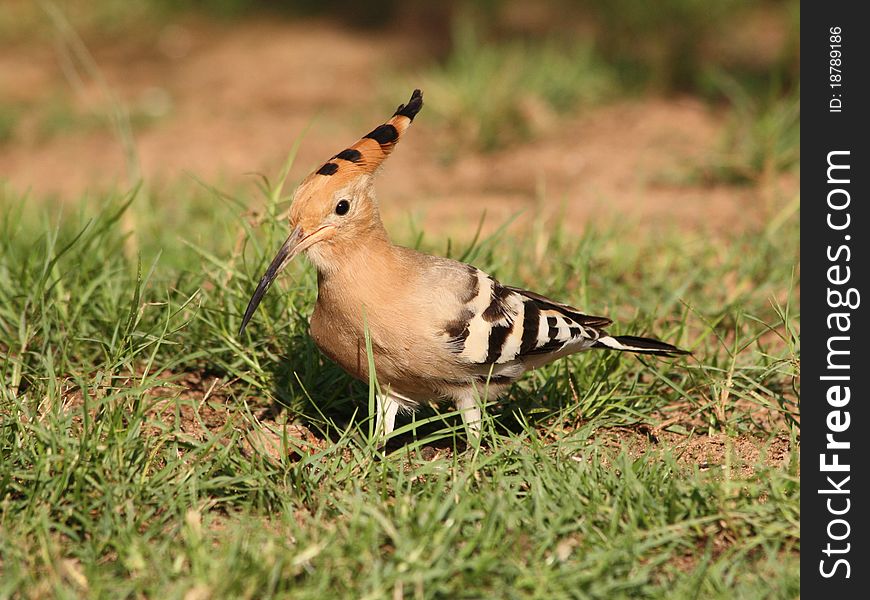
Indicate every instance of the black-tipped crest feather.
{"type": "Point", "coordinates": [413, 106]}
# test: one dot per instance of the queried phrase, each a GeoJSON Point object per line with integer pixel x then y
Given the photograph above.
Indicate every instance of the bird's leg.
{"type": "Point", "coordinates": [385, 416]}
{"type": "Point", "coordinates": [470, 410]}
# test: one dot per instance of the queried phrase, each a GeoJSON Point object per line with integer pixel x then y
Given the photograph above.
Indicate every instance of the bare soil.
{"type": "Point", "coordinates": [195, 407]}
{"type": "Point", "coordinates": [225, 101]}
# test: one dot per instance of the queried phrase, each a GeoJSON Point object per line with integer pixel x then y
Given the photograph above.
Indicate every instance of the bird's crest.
{"type": "Point", "coordinates": [367, 154]}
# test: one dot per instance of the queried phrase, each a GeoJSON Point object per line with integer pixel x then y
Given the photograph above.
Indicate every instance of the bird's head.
{"type": "Point", "coordinates": [335, 207]}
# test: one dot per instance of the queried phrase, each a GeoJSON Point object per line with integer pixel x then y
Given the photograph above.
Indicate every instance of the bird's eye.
{"type": "Point", "coordinates": [342, 207]}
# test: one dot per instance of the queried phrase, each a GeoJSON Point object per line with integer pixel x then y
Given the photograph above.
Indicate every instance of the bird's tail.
{"type": "Point", "coordinates": [640, 345]}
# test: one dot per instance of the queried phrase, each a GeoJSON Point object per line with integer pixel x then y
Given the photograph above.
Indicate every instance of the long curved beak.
{"type": "Point", "coordinates": [296, 243]}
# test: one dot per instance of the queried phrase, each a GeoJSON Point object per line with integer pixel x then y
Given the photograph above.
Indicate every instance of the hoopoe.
{"type": "Point", "coordinates": [439, 329]}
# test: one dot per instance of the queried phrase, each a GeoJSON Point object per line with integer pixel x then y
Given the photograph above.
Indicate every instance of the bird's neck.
{"type": "Point", "coordinates": [364, 256]}
{"type": "Point", "coordinates": [369, 273]}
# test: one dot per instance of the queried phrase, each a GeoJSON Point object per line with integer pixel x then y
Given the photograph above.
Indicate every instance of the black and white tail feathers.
{"type": "Point", "coordinates": [638, 345]}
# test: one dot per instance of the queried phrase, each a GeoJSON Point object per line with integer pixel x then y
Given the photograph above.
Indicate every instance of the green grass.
{"type": "Point", "coordinates": [494, 92]}
{"type": "Point", "coordinates": [665, 40]}
{"type": "Point", "coordinates": [103, 495]}
{"type": "Point", "coordinates": [762, 136]}
{"type": "Point", "coordinates": [9, 118]}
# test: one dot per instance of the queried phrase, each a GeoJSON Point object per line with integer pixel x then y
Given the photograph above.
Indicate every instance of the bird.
{"type": "Point", "coordinates": [440, 330]}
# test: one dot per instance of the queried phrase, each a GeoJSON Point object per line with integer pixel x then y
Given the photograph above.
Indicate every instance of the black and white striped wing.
{"type": "Point", "coordinates": [499, 325]}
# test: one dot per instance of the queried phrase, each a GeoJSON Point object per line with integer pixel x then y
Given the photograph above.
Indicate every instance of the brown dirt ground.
{"type": "Point", "coordinates": [223, 102]}
{"type": "Point", "coordinates": [195, 406]}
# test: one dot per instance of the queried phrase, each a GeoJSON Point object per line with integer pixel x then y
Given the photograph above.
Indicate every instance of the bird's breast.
{"type": "Point", "coordinates": [405, 358]}
{"type": "Point", "coordinates": [339, 338]}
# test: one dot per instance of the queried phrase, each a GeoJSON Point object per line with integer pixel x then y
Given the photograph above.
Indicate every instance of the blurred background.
{"type": "Point", "coordinates": [679, 111]}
